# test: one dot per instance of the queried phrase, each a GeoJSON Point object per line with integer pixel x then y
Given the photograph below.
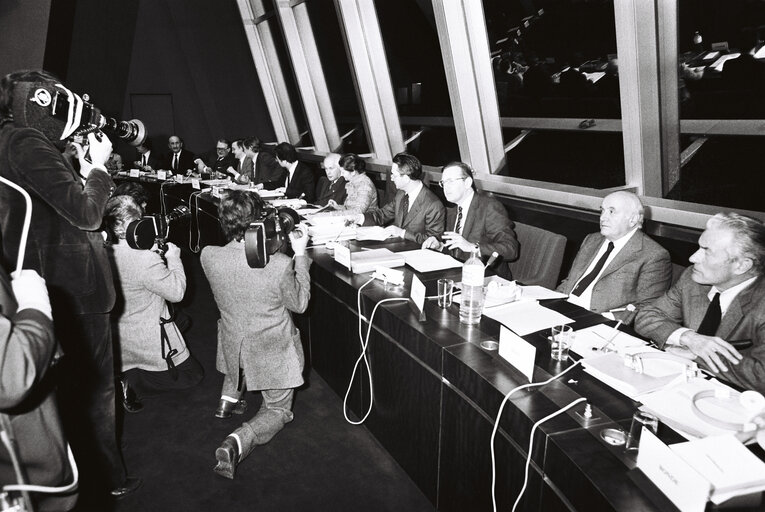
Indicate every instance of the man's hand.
{"type": "Point", "coordinates": [299, 239]}
{"type": "Point", "coordinates": [395, 231]}
{"type": "Point", "coordinates": [99, 149]}
{"type": "Point", "coordinates": [711, 349]}
{"type": "Point", "coordinates": [332, 204]}
{"type": "Point", "coordinates": [30, 291]}
{"type": "Point", "coordinates": [453, 240]}
{"type": "Point", "coordinates": [173, 251]}
{"type": "Point", "coordinates": [432, 243]}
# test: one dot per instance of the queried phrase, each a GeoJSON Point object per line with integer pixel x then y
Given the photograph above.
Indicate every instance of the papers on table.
{"type": "Point", "coordinates": [524, 317]}
{"type": "Point", "coordinates": [367, 261]}
{"type": "Point", "coordinates": [730, 467]}
{"type": "Point", "coordinates": [719, 63]}
{"type": "Point", "coordinates": [424, 260]}
{"type": "Point", "coordinates": [535, 292]}
{"type": "Point", "coordinates": [323, 230]}
{"type": "Point", "coordinates": [594, 77]}
{"type": "Point", "coordinates": [288, 203]}
{"type": "Point", "coordinates": [371, 233]}
{"type": "Point", "coordinates": [588, 341]}
{"type": "Point", "coordinates": [657, 374]}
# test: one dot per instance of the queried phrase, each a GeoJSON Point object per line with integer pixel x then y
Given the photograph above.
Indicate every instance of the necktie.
{"type": "Point", "coordinates": [288, 180]}
{"type": "Point", "coordinates": [175, 162]}
{"type": "Point", "coordinates": [404, 207]}
{"type": "Point", "coordinates": [711, 321]}
{"type": "Point", "coordinates": [143, 160]}
{"type": "Point", "coordinates": [458, 226]}
{"type": "Point", "coordinates": [589, 278]}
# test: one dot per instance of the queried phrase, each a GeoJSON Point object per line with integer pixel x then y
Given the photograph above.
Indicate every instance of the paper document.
{"type": "Point", "coordinates": [594, 77]}
{"type": "Point", "coordinates": [719, 63]}
{"type": "Point", "coordinates": [526, 316]}
{"type": "Point", "coordinates": [424, 260]}
{"type": "Point", "coordinates": [535, 292]}
{"type": "Point", "coordinates": [610, 369]}
{"type": "Point", "coordinates": [371, 233]}
{"type": "Point", "coordinates": [367, 261]}
{"type": "Point", "coordinates": [288, 203]}
{"type": "Point", "coordinates": [728, 465]}
{"type": "Point", "coordinates": [588, 341]}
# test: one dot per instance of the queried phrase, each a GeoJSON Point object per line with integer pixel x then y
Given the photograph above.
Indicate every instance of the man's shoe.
{"type": "Point", "coordinates": [130, 401]}
{"type": "Point", "coordinates": [226, 408]}
{"type": "Point", "coordinates": [227, 455]}
{"type": "Point", "coordinates": [129, 485]}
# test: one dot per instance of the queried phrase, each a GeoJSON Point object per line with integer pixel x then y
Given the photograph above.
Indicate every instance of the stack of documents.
{"type": "Point", "coordinates": [368, 260]}
{"type": "Point", "coordinates": [657, 374]}
{"type": "Point", "coordinates": [322, 229]}
{"type": "Point", "coordinates": [526, 316]}
{"type": "Point", "coordinates": [588, 342]}
{"type": "Point", "coordinates": [424, 260]}
{"type": "Point", "coordinates": [371, 233]}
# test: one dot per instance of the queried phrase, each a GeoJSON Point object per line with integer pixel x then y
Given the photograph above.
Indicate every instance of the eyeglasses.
{"type": "Point", "coordinates": [443, 183]}
{"type": "Point", "coordinates": [221, 149]}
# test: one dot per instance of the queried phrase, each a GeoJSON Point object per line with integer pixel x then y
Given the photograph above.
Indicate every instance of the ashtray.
{"type": "Point", "coordinates": [489, 345]}
{"type": "Point", "coordinates": [614, 436]}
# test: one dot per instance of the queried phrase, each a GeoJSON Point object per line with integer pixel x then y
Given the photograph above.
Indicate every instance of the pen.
{"type": "Point", "coordinates": [741, 344]}
{"type": "Point", "coordinates": [492, 259]}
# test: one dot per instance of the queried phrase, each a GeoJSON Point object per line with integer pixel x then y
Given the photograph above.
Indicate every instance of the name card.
{"type": "Point", "coordinates": [179, 178]}
{"type": "Point", "coordinates": [215, 191]}
{"type": "Point", "coordinates": [343, 255]}
{"type": "Point", "coordinates": [195, 183]}
{"type": "Point", "coordinates": [135, 173]}
{"type": "Point", "coordinates": [722, 46]}
{"type": "Point", "coordinates": [417, 293]}
{"type": "Point", "coordinates": [517, 351]}
{"type": "Point", "coordinates": [161, 175]}
{"type": "Point", "coordinates": [687, 489]}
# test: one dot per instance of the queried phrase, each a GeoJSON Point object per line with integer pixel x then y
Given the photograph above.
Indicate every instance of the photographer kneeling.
{"type": "Point", "coordinates": [259, 346]}
{"type": "Point", "coordinates": [153, 356]}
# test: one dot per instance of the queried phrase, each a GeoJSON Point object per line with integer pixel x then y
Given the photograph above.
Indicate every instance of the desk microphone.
{"type": "Point", "coordinates": [628, 307]}
{"type": "Point", "coordinates": [492, 259]}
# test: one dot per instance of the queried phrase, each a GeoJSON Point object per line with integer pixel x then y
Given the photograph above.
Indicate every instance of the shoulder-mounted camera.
{"type": "Point", "coordinates": [267, 235]}
{"type": "Point", "coordinates": [154, 229]}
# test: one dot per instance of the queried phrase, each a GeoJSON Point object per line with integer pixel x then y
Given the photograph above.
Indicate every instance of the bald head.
{"type": "Point", "coordinates": [620, 213]}
{"type": "Point", "coordinates": [332, 166]}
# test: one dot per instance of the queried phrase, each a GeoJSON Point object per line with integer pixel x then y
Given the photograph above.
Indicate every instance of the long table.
{"type": "Point", "coordinates": [437, 393]}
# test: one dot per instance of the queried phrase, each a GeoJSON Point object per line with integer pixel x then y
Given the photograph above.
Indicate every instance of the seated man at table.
{"type": "Point", "coordinates": [299, 182]}
{"type": "Point", "coordinates": [717, 303]}
{"type": "Point", "coordinates": [475, 219]}
{"type": "Point", "coordinates": [415, 213]}
{"type": "Point", "coordinates": [331, 186]}
{"type": "Point", "coordinates": [620, 265]}
{"type": "Point", "coordinates": [178, 160]}
{"type": "Point", "coordinates": [219, 161]}
{"type": "Point", "coordinates": [266, 171]}
{"type": "Point", "coordinates": [146, 159]}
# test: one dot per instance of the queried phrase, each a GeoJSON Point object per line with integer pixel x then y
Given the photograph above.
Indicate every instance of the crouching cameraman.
{"type": "Point", "coordinates": [29, 418]}
{"type": "Point", "coordinates": [152, 354]}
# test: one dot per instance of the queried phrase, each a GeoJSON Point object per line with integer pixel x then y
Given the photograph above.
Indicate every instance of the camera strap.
{"type": "Point", "coordinates": [168, 354]}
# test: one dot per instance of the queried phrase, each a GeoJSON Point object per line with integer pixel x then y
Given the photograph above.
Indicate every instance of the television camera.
{"type": "Point", "coordinates": [144, 233]}
{"type": "Point", "coordinates": [268, 234]}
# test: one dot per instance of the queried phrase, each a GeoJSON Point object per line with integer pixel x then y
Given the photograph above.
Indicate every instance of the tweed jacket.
{"type": "Point", "coordinates": [255, 330]}
{"type": "Point", "coordinates": [63, 246]}
{"type": "Point", "coordinates": [639, 273]}
{"type": "Point", "coordinates": [488, 225]}
{"type": "Point", "coordinates": [424, 219]}
{"type": "Point", "coordinates": [143, 284]}
{"type": "Point", "coordinates": [245, 169]}
{"type": "Point", "coordinates": [685, 305]}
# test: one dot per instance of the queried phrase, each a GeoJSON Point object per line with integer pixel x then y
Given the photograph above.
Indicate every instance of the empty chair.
{"type": "Point", "coordinates": [541, 256]}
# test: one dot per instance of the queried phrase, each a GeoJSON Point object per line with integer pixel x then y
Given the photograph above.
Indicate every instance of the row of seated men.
{"type": "Point", "coordinates": [714, 313]}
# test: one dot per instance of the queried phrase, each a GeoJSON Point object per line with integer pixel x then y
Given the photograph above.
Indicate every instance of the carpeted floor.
{"type": "Point", "coordinates": [317, 463]}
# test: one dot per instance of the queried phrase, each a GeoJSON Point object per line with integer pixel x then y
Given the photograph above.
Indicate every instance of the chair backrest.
{"type": "Point", "coordinates": [541, 256]}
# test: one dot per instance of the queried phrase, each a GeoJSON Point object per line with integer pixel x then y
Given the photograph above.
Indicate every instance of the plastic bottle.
{"type": "Point", "coordinates": [471, 306]}
{"type": "Point", "coordinates": [698, 41]}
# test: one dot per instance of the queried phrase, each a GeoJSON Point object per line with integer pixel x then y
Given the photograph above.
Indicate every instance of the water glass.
{"type": "Point", "coordinates": [639, 420]}
{"type": "Point", "coordinates": [445, 292]}
{"type": "Point", "coordinates": [562, 336]}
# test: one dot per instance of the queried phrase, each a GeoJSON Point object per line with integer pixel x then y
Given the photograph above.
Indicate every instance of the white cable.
{"type": "Point", "coordinates": [496, 426]}
{"type": "Point", "coordinates": [27, 222]}
{"type": "Point", "coordinates": [43, 488]}
{"type": "Point", "coordinates": [364, 344]}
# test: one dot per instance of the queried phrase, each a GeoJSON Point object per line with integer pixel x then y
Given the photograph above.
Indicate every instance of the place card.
{"type": "Point", "coordinates": [161, 175]}
{"type": "Point", "coordinates": [517, 351]}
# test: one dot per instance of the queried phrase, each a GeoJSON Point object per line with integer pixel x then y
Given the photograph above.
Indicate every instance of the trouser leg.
{"type": "Point", "coordinates": [274, 413]}
{"type": "Point", "coordinates": [231, 385]}
{"type": "Point", "coordinates": [147, 383]}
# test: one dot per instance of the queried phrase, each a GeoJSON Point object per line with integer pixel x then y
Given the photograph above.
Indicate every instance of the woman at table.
{"type": "Point", "coordinates": [362, 194]}
{"type": "Point", "coordinates": [149, 361]}
{"type": "Point", "coordinates": [259, 347]}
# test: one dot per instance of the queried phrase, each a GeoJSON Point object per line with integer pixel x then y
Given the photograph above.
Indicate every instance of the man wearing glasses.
{"type": "Point", "coordinates": [220, 161]}
{"type": "Point", "coordinates": [415, 213]}
{"type": "Point", "coordinates": [474, 219]}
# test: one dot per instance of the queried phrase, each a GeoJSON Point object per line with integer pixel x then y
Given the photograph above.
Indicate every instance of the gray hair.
{"type": "Point", "coordinates": [749, 236]}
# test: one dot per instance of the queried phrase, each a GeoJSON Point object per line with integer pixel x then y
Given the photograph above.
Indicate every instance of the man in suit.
{"type": "Point", "coordinates": [146, 159]}
{"type": "Point", "coordinates": [298, 182]}
{"type": "Point", "coordinates": [178, 159]}
{"type": "Point", "coordinates": [620, 265]}
{"type": "Point", "coordinates": [475, 219]}
{"type": "Point", "coordinates": [331, 186]}
{"type": "Point", "coordinates": [266, 170]}
{"type": "Point", "coordinates": [67, 250]}
{"type": "Point", "coordinates": [242, 170]}
{"type": "Point", "coordinates": [218, 162]}
{"type": "Point", "coordinates": [717, 302]}
{"type": "Point", "coordinates": [415, 212]}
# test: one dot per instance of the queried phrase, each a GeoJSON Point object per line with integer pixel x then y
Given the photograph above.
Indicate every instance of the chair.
{"type": "Point", "coordinates": [541, 256]}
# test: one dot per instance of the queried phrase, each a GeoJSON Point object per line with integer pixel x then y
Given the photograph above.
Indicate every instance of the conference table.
{"type": "Point", "coordinates": [437, 393]}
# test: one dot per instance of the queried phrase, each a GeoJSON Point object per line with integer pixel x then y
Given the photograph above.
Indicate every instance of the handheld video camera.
{"type": "Point", "coordinates": [267, 235]}
{"type": "Point", "coordinates": [62, 114]}
{"type": "Point", "coordinates": [154, 229]}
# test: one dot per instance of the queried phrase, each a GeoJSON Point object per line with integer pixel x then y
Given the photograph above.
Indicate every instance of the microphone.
{"type": "Point", "coordinates": [491, 259]}
{"type": "Point", "coordinates": [628, 307]}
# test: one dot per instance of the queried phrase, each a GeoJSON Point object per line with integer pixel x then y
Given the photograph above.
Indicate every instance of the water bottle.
{"type": "Point", "coordinates": [698, 41]}
{"type": "Point", "coordinates": [472, 289]}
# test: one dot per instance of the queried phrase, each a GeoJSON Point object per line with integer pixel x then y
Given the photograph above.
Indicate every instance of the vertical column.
{"type": "Point", "coordinates": [266, 60]}
{"type": "Point", "coordinates": [465, 48]}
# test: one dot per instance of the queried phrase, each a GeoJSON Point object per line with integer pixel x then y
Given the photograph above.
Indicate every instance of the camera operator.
{"type": "Point", "coordinates": [149, 361]}
{"type": "Point", "coordinates": [27, 347]}
{"type": "Point", "coordinates": [65, 247]}
{"type": "Point", "coordinates": [259, 346]}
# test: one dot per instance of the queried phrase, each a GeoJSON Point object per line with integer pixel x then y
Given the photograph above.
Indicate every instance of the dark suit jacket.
{"type": "Point", "coordinates": [245, 170]}
{"type": "Point", "coordinates": [326, 190]}
{"type": "Point", "coordinates": [425, 217]}
{"type": "Point", "coordinates": [488, 225]}
{"type": "Point", "coordinates": [640, 272]}
{"type": "Point", "coordinates": [63, 245]}
{"type": "Point", "coordinates": [268, 171]}
{"type": "Point", "coordinates": [220, 165]}
{"type": "Point", "coordinates": [154, 161]}
{"type": "Point", "coordinates": [185, 161]}
{"type": "Point", "coordinates": [685, 305]}
{"type": "Point", "coordinates": [301, 184]}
